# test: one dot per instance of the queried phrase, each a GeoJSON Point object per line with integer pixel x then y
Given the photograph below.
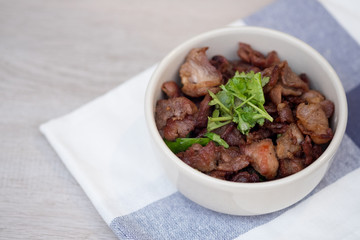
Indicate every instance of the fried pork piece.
{"type": "Point", "coordinates": [273, 73]}
{"type": "Point", "coordinates": [328, 107]}
{"type": "Point", "coordinates": [246, 177]}
{"type": "Point", "coordinates": [179, 128]}
{"type": "Point", "coordinates": [249, 55]}
{"type": "Point", "coordinates": [313, 96]}
{"type": "Point", "coordinates": [276, 127]}
{"type": "Point", "coordinates": [199, 157]}
{"type": "Point", "coordinates": [223, 66]}
{"type": "Point", "coordinates": [218, 174]}
{"type": "Point", "coordinates": [242, 66]}
{"type": "Point", "coordinates": [231, 159]}
{"type": "Point", "coordinates": [292, 80]}
{"type": "Point", "coordinates": [230, 134]}
{"type": "Point", "coordinates": [288, 167]}
{"type": "Point", "coordinates": [312, 121]}
{"type": "Point", "coordinates": [280, 90]}
{"type": "Point", "coordinates": [289, 143]}
{"type": "Point", "coordinates": [285, 112]}
{"type": "Point", "coordinates": [263, 158]}
{"type": "Point", "coordinates": [257, 135]}
{"type": "Point", "coordinates": [288, 83]}
{"type": "Point", "coordinates": [197, 74]}
{"type": "Point", "coordinates": [312, 152]}
{"type": "Point", "coordinates": [175, 109]}
{"type": "Point", "coordinates": [228, 68]}
{"type": "Point", "coordinates": [171, 89]}
{"type": "Point", "coordinates": [204, 112]}
{"type": "Point", "coordinates": [212, 158]}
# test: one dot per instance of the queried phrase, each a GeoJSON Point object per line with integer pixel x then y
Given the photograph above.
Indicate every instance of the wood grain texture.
{"type": "Point", "coordinates": [56, 56]}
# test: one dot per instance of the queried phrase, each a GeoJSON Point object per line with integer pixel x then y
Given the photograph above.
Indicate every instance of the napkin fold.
{"type": "Point", "coordinates": [105, 145]}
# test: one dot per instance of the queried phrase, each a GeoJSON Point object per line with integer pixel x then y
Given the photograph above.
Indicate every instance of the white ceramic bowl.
{"type": "Point", "coordinates": [248, 198]}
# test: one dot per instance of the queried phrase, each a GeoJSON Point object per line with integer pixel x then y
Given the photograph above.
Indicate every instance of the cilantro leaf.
{"type": "Point", "coordinates": [216, 138]}
{"type": "Point", "coordinates": [241, 101]}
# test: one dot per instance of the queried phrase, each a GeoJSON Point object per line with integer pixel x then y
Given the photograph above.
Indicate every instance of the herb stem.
{"type": "Point", "coordinates": [215, 119]}
{"type": "Point", "coordinates": [247, 101]}
{"type": "Point", "coordinates": [265, 114]}
{"type": "Point", "coordinates": [244, 102]}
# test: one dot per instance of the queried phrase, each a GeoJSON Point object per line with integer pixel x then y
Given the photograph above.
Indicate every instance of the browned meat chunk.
{"type": "Point", "coordinates": [273, 73]}
{"type": "Point", "coordinates": [173, 108]}
{"type": "Point", "coordinates": [272, 58]}
{"type": "Point", "coordinates": [246, 177]}
{"type": "Point", "coordinates": [257, 135]}
{"type": "Point", "coordinates": [279, 90]}
{"type": "Point", "coordinates": [307, 149]}
{"type": "Point", "coordinates": [249, 55]}
{"type": "Point", "coordinates": [221, 63]}
{"type": "Point", "coordinates": [223, 66]}
{"type": "Point", "coordinates": [285, 112]}
{"type": "Point", "coordinates": [275, 94]}
{"type": "Point", "coordinates": [290, 166]}
{"type": "Point", "coordinates": [312, 121]}
{"type": "Point", "coordinates": [197, 74]}
{"type": "Point", "coordinates": [290, 84]}
{"type": "Point", "coordinates": [246, 52]}
{"type": "Point", "coordinates": [288, 144]}
{"type": "Point", "coordinates": [171, 89]}
{"type": "Point", "coordinates": [270, 108]}
{"type": "Point", "coordinates": [217, 160]}
{"type": "Point", "coordinates": [328, 107]}
{"type": "Point", "coordinates": [287, 91]}
{"type": "Point", "coordinates": [204, 112]}
{"type": "Point", "coordinates": [199, 157]}
{"type": "Point", "coordinates": [242, 66]}
{"type": "Point", "coordinates": [305, 78]}
{"type": "Point", "coordinates": [313, 96]}
{"type": "Point", "coordinates": [230, 134]}
{"type": "Point", "coordinates": [218, 174]}
{"type": "Point", "coordinates": [294, 101]}
{"type": "Point", "coordinates": [276, 127]}
{"type": "Point", "coordinates": [232, 160]}
{"type": "Point", "coordinates": [312, 152]}
{"type": "Point", "coordinates": [291, 79]}
{"type": "Point", "coordinates": [263, 158]}
{"type": "Point", "coordinates": [179, 128]}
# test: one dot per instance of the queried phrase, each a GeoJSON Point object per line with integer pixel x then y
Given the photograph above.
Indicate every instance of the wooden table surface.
{"type": "Point", "coordinates": [56, 56]}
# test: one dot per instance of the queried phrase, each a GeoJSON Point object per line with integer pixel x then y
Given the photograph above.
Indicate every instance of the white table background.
{"type": "Point", "coordinates": [56, 56]}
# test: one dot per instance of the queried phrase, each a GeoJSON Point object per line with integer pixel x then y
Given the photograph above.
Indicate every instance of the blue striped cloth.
{"type": "Point", "coordinates": [152, 208]}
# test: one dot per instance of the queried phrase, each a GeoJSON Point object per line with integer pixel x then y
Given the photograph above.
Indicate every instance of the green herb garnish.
{"type": "Point", "coordinates": [181, 144]}
{"type": "Point", "coordinates": [241, 101]}
{"type": "Point", "coordinates": [216, 138]}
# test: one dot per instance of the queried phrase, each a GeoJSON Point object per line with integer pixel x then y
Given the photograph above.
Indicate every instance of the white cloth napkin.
{"type": "Point", "coordinates": [99, 144]}
{"type": "Point", "coordinates": [105, 145]}
{"type": "Point", "coordinates": [333, 213]}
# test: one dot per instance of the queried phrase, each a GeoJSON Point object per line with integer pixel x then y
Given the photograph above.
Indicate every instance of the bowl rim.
{"type": "Point", "coordinates": [326, 155]}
